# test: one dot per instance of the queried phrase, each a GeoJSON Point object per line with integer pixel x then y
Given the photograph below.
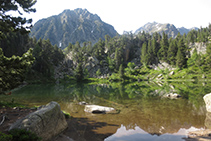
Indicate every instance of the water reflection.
{"type": "Point", "coordinates": [145, 114]}
{"type": "Point", "coordinates": [138, 134]}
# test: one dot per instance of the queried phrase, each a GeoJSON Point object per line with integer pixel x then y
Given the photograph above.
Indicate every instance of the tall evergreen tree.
{"type": "Point", "coordinates": [79, 75]}
{"type": "Point", "coordinates": [144, 54]}
{"type": "Point", "coordinates": [181, 54]}
{"type": "Point", "coordinates": [164, 45]}
{"type": "Point", "coordinates": [192, 60]}
{"type": "Point", "coordinates": [118, 58]}
{"type": "Point", "coordinates": [180, 62]}
{"type": "Point", "coordinates": [208, 54]}
{"type": "Point", "coordinates": [181, 45]}
{"type": "Point", "coordinates": [121, 71]}
{"type": "Point", "coordinates": [150, 51]}
{"type": "Point", "coordinates": [10, 23]}
{"type": "Point", "coordinates": [172, 52]}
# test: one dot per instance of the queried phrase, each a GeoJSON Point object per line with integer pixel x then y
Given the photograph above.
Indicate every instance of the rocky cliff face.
{"type": "Point", "coordinates": [72, 26]}
{"type": "Point", "coordinates": [200, 47]}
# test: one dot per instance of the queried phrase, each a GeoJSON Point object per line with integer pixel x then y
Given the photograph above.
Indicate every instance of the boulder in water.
{"type": "Point", "coordinates": [95, 109]}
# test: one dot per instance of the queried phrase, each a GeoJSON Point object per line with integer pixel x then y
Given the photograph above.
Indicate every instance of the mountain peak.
{"type": "Point", "coordinates": [71, 26]}
{"type": "Point", "coordinates": [153, 27]}
{"type": "Point", "coordinates": [168, 28]}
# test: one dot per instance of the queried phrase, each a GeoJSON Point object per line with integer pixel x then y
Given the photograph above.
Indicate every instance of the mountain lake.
{"type": "Point", "coordinates": [144, 113]}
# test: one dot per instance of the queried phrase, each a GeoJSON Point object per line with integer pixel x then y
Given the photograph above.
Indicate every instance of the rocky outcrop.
{"type": "Point", "coordinates": [46, 122]}
{"type": "Point", "coordinates": [207, 100]}
{"type": "Point", "coordinates": [200, 47]}
{"type": "Point", "coordinates": [95, 109]}
{"type": "Point", "coordinates": [162, 66]}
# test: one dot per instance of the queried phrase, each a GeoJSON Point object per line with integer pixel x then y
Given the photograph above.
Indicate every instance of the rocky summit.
{"type": "Point", "coordinates": [71, 26]}
{"type": "Point", "coordinates": [169, 29]}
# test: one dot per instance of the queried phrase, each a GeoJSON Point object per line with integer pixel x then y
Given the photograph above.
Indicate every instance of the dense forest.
{"type": "Point", "coordinates": [122, 57]}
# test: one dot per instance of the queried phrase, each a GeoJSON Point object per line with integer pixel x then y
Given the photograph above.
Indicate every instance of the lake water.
{"type": "Point", "coordinates": [145, 114]}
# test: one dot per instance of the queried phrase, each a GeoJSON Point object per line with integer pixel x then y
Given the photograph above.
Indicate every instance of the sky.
{"type": "Point", "coordinates": [129, 15]}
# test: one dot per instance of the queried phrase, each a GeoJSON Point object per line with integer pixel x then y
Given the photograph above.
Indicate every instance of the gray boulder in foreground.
{"type": "Point", "coordinates": [95, 109]}
{"type": "Point", "coordinates": [207, 100]}
{"type": "Point", "coordinates": [46, 122]}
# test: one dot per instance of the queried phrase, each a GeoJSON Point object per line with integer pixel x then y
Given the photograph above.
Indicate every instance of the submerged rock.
{"type": "Point", "coordinates": [207, 100]}
{"type": "Point", "coordinates": [46, 122]}
{"type": "Point", "coordinates": [95, 109]}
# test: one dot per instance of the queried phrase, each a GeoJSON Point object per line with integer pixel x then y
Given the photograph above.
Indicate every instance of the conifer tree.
{"type": "Point", "coordinates": [180, 59]}
{"type": "Point", "coordinates": [155, 43]}
{"type": "Point", "coordinates": [79, 75]}
{"type": "Point", "coordinates": [172, 52]}
{"type": "Point", "coordinates": [164, 45]}
{"type": "Point", "coordinates": [118, 58]}
{"type": "Point", "coordinates": [10, 23]}
{"type": "Point", "coordinates": [192, 60]}
{"type": "Point", "coordinates": [150, 51]}
{"type": "Point", "coordinates": [181, 45]}
{"type": "Point", "coordinates": [144, 54]}
{"type": "Point", "coordinates": [208, 54]}
{"type": "Point", "coordinates": [121, 71]}
{"type": "Point", "coordinates": [181, 54]}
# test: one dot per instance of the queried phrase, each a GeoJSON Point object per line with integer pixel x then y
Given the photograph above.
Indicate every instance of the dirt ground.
{"type": "Point", "coordinates": [75, 129]}
{"type": "Point", "coordinates": [8, 116]}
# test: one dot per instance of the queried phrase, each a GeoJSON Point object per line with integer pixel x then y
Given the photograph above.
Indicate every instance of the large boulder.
{"type": "Point", "coordinates": [207, 100]}
{"type": "Point", "coordinates": [46, 122]}
{"type": "Point", "coordinates": [207, 121]}
{"type": "Point", "coordinates": [95, 109]}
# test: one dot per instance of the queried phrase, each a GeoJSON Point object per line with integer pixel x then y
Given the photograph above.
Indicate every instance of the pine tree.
{"type": "Point", "coordinates": [172, 52]}
{"type": "Point", "coordinates": [164, 45]}
{"type": "Point", "coordinates": [121, 71]}
{"type": "Point", "coordinates": [79, 75]}
{"type": "Point", "coordinates": [13, 70]}
{"type": "Point", "coordinates": [192, 60]}
{"type": "Point", "coordinates": [118, 58]}
{"type": "Point", "coordinates": [182, 47]}
{"type": "Point", "coordinates": [150, 52]}
{"type": "Point", "coordinates": [155, 44]}
{"type": "Point", "coordinates": [144, 55]}
{"type": "Point", "coordinates": [181, 54]}
{"type": "Point", "coordinates": [180, 59]}
{"type": "Point", "coordinates": [98, 72]}
{"type": "Point", "coordinates": [9, 23]}
{"type": "Point", "coordinates": [208, 54]}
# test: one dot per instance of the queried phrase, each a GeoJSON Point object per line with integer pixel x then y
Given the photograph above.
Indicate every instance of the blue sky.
{"type": "Point", "coordinates": [129, 15]}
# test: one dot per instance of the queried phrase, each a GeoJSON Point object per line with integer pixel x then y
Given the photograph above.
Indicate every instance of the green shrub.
{"type": "Point", "coordinates": [23, 135]}
{"type": "Point", "coordinates": [5, 137]}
